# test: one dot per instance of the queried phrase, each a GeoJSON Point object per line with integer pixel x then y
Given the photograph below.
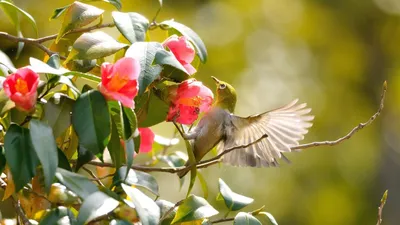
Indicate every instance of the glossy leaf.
{"type": "Point", "coordinates": [77, 15]}
{"type": "Point", "coordinates": [60, 215]}
{"type": "Point", "coordinates": [78, 184]}
{"type": "Point", "coordinates": [94, 45]}
{"type": "Point", "coordinates": [130, 152]}
{"type": "Point", "coordinates": [164, 57]}
{"type": "Point", "coordinates": [130, 123]}
{"type": "Point", "coordinates": [46, 149]}
{"type": "Point", "coordinates": [192, 36]}
{"type": "Point", "coordinates": [11, 7]}
{"type": "Point", "coordinates": [165, 207]}
{"type": "Point", "coordinates": [193, 208]}
{"type": "Point", "coordinates": [54, 61]}
{"type": "Point", "coordinates": [243, 218]}
{"type": "Point", "coordinates": [41, 67]}
{"type": "Point", "coordinates": [233, 200]}
{"type": "Point", "coordinates": [57, 114]}
{"type": "Point", "coordinates": [145, 52]}
{"type": "Point", "coordinates": [115, 147]}
{"type": "Point", "coordinates": [91, 121]}
{"type": "Point", "coordinates": [175, 159]}
{"type": "Point", "coordinates": [116, 3]}
{"type": "Point", "coordinates": [20, 155]}
{"type": "Point", "coordinates": [151, 111]}
{"type": "Point", "coordinates": [83, 66]}
{"type": "Point", "coordinates": [6, 64]}
{"type": "Point", "coordinates": [193, 170]}
{"type": "Point", "coordinates": [95, 205]}
{"type": "Point", "coordinates": [63, 160]}
{"type": "Point", "coordinates": [84, 156]}
{"type": "Point", "coordinates": [269, 216]}
{"type": "Point", "coordinates": [137, 178]}
{"type": "Point", "coordinates": [132, 25]}
{"type": "Point", "coordinates": [147, 209]}
{"type": "Point", "coordinates": [203, 184]}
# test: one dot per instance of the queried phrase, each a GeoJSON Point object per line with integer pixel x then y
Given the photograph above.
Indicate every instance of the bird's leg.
{"type": "Point", "coordinates": [186, 136]}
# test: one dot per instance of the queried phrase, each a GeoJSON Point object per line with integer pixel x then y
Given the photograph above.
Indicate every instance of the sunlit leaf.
{"type": "Point", "coordinates": [175, 159]}
{"type": "Point", "coordinates": [165, 207]}
{"type": "Point", "coordinates": [233, 200]}
{"type": "Point", "coordinates": [77, 15]}
{"type": "Point", "coordinates": [91, 121]}
{"type": "Point", "coordinates": [116, 3]}
{"type": "Point", "coordinates": [58, 12]}
{"type": "Point", "coordinates": [78, 184]}
{"type": "Point", "coordinates": [269, 216]}
{"type": "Point", "coordinates": [60, 215]}
{"type": "Point", "coordinates": [137, 178]}
{"type": "Point", "coordinates": [83, 66]}
{"type": "Point", "coordinates": [192, 36]}
{"type": "Point", "coordinates": [145, 52]}
{"type": "Point", "coordinates": [6, 65]}
{"type": "Point", "coordinates": [57, 113]}
{"type": "Point", "coordinates": [20, 155]}
{"type": "Point", "coordinates": [132, 25]}
{"type": "Point", "coordinates": [203, 184]}
{"type": "Point", "coordinates": [147, 209]}
{"type": "Point", "coordinates": [94, 45]}
{"type": "Point", "coordinates": [193, 170]}
{"type": "Point", "coordinates": [46, 149]}
{"type": "Point", "coordinates": [8, 6]}
{"type": "Point", "coordinates": [95, 205]}
{"type": "Point", "coordinates": [245, 219]}
{"type": "Point", "coordinates": [164, 57]}
{"type": "Point", "coordinates": [193, 208]}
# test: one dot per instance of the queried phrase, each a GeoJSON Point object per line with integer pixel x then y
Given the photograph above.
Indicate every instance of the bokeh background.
{"type": "Point", "coordinates": [332, 54]}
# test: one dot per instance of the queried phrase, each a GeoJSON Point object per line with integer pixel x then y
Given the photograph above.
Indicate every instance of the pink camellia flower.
{"type": "Point", "coordinates": [21, 88]}
{"type": "Point", "coordinates": [146, 139]}
{"type": "Point", "coordinates": [191, 98]}
{"type": "Point", "coordinates": [183, 51]}
{"type": "Point", "coordinates": [119, 81]}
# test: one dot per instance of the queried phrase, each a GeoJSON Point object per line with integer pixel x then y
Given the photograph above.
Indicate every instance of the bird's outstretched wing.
{"type": "Point", "coordinates": [265, 136]}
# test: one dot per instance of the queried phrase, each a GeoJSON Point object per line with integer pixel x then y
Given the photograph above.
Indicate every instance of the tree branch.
{"type": "Point", "coordinates": [38, 41]}
{"type": "Point", "coordinates": [217, 159]}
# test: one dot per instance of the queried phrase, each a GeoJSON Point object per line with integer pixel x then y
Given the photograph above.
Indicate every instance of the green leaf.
{"type": "Point", "coordinates": [147, 209]}
{"type": "Point", "coordinates": [46, 149]}
{"type": "Point", "coordinates": [151, 111]}
{"type": "Point", "coordinates": [57, 113]}
{"type": "Point", "coordinates": [54, 61]}
{"type": "Point", "coordinates": [203, 184]}
{"type": "Point", "coordinates": [77, 15]}
{"type": "Point", "coordinates": [84, 156]}
{"type": "Point", "coordinates": [161, 2]}
{"type": "Point", "coordinates": [233, 200]}
{"type": "Point", "coordinates": [120, 222]}
{"type": "Point", "coordinates": [164, 57]}
{"type": "Point", "coordinates": [193, 208]}
{"type": "Point", "coordinates": [83, 66]}
{"type": "Point", "coordinates": [60, 215]}
{"type": "Point", "coordinates": [20, 155]}
{"type": "Point", "coordinates": [116, 3]}
{"type": "Point", "coordinates": [41, 67]}
{"type": "Point", "coordinates": [130, 151]}
{"type": "Point", "coordinates": [3, 160]}
{"type": "Point", "coordinates": [145, 52]}
{"type": "Point", "coordinates": [95, 205]}
{"type": "Point", "coordinates": [94, 45]}
{"type": "Point", "coordinates": [269, 216]}
{"type": "Point", "coordinates": [165, 206]}
{"type": "Point", "coordinates": [193, 170]}
{"type": "Point", "coordinates": [6, 64]}
{"type": "Point", "coordinates": [175, 159]}
{"type": "Point", "coordinates": [243, 218]}
{"type": "Point", "coordinates": [78, 184]}
{"type": "Point", "coordinates": [63, 160]}
{"type": "Point", "coordinates": [137, 178]}
{"type": "Point", "coordinates": [9, 7]}
{"type": "Point", "coordinates": [87, 76]}
{"type": "Point", "coordinates": [192, 36]}
{"type": "Point", "coordinates": [91, 121]}
{"type": "Point", "coordinates": [59, 11]}
{"type": "Point", "coordinates": [115, 148]}
{"type": "Point", "coordinates": [132, 25]}
{"type": "Point", "coordinates": [128, 117]}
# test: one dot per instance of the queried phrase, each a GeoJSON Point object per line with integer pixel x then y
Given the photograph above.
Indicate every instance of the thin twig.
{"type": "Point", "coordinates": [37, 42]}
{"type": "Point", "coordinates": [20, 212]}
{"type": "Point", "coordinates": [171, 210]}
{"type": "Point", "coordinates": [217, 159]}
{"type": "Point", "coordinates": [380, 208]}
{"type": "Point", "coordinates": [222, 220]}
{"type": "Point", "coordinates": [95, 178]}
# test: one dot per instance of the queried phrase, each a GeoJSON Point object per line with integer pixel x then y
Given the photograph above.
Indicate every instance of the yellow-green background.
{"type": "Point", "coordinates": [332, 54]}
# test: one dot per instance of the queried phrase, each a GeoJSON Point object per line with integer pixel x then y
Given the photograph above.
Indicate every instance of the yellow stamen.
{"type": "Point", "coordinates": [21, 86]}
{"type": "Point", "coordinates": [117, 82]}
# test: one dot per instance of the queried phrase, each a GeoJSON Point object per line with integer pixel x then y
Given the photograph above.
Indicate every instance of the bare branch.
{"type": "Point", "coordinates": [171, 210]}
{"type": "Point", "coordinates": [20, 212]}
{"type": "Point", "coordinates": [95, 178]}
{"type": "Point", "coordinates": [217, 159]}
{"type": "Point", "coordinates": [222, 220]}
{"type": "Point", "coordinates": [380, 208]}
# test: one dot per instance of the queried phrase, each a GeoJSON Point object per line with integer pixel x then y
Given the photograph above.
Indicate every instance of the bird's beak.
{"type": "Point", "coordinates": [215, 79]}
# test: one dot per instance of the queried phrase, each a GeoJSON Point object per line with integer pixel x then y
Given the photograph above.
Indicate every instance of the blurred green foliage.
{"type": "Point", "coordinates": [334, 55]}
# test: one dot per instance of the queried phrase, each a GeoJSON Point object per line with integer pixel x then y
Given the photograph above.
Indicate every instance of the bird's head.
{"type": "Point", "coordinates": [226, 95]}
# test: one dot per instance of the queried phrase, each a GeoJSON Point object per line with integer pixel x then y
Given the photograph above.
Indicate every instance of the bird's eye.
{"type": "Point", "coordinates": [222, 86]}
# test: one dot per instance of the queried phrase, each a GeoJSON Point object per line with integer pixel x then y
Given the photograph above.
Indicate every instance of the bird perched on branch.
{"type": "Point", "coordinates": [258, 140]}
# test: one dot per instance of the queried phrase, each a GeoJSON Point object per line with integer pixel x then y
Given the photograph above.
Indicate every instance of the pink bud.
{"type": "Point", "coordinates": [183, 51]}
{"type": "Point", "coordinates": [146, 140]}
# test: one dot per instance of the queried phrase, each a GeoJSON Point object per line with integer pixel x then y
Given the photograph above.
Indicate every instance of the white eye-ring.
{"type": "Point", "coordinates": [222, 86]}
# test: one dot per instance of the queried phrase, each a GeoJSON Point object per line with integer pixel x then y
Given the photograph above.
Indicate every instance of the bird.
{"type": "Point", "coordinates": [258, 140]}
